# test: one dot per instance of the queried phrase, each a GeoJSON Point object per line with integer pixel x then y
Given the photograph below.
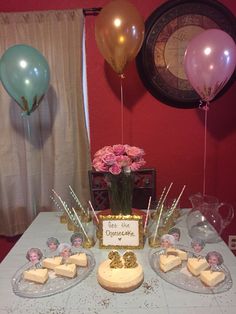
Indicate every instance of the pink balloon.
{"type": "Point", "coordinates": [209, 62]}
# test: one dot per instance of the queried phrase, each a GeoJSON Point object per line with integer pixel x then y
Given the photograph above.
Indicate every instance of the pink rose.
{"type": "Point", "coordinates": [123, 161]}
{"type": "Point", "coordinates": [115, 169]}
{"type": "Point", "coordinates": [98, 153]}
{"type": "Point", "coordinates": [118, 149]}
{"type": "Point", "coordinates": [134, 152]}
{"type": "Point", "coordinates": [109, 159]}
{"type": "Point", "coordinates": [100, 166]}
{"type": "Point", "coordinates": [103, 151]}
{"type": "Point", "coordinates": [96, 160]}
{"type": "Point", "coordinates": [118, 158]}
{"type": "Point", "coordinates": [127, 147]}
{"type": "Point", "coordinates": [137, 165]}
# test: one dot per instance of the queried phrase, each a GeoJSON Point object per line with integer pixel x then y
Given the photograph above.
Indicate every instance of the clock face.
{"type": "Point", "coordinates": [168, 32]}
{"type": "Point", "coordinates": [171, 44]}
{"type": "Point", "coordinates": [175, 46]}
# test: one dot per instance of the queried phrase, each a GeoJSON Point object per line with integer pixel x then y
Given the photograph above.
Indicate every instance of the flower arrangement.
{"type": "Point", "coordinates": [119, 161]}
{"type": "Point", "coordinates": [118, 158]}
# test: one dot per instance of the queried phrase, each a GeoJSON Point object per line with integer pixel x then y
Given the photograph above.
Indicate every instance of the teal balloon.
{"type": "Point", "coordinates": [25, 75]}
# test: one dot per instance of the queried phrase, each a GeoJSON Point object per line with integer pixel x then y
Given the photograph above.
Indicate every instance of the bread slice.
{"type": "Point", "coordinates": [66, 270]}
{"type": "Point", "coordinates": [212, 278]}
{"type": "Point", "coordinates": [168, 262]}
{"type": "Point", "coordinates": [196, 265]}
{"type": "Point", "coordinates": [79, 259]}
{"type": "Point", "coordinates": [52, 262]}
{"type": "Point", "coordinates": [182, 254]}
{"type": "Point", "coordinates": [36, 275]}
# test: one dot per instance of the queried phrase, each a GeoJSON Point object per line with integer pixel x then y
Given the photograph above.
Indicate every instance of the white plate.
{"type": "Point", "coordinates": [181, 277]}
{"type": "Point", "coordinates": [54, 284]}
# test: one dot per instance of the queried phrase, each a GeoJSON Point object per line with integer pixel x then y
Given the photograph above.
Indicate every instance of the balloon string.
{"type": "Point", "coordinates": [122, 108]}
{"type": "Point", "coordinates": [30, 168]}
{"type": "Point", "coordinates": [206, 108]}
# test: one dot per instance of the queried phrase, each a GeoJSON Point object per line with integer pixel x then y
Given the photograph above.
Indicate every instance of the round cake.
{"type": "Point", "coordinates": [119, 279]}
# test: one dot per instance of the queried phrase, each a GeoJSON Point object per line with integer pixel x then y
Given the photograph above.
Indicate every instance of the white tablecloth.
{"type": "Point", "coordinates": [154, 296]}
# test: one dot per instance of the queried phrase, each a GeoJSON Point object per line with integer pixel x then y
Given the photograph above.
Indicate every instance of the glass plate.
{"type": "Point", "coordinates": [54, 284]}
{"type": "Point", "coordinates": [180, 276]}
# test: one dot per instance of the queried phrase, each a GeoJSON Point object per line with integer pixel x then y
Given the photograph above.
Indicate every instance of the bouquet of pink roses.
{"type": "Point", "coordinates": [119, 158]}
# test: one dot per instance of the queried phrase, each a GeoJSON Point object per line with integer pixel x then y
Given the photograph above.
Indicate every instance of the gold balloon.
{"type": "Point", "coordinates": [119, 33]}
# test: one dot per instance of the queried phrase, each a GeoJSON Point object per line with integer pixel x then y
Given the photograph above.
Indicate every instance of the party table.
{"type": "Point", "coordinates": [155, 295]}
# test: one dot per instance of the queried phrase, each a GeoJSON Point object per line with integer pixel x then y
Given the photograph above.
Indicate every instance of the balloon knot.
{"type": "Point", "coordinates": [25, 113]}
{"type": "Point", "coordinates": [122, 76]}
{"type": "Point", "coordinates": [204, 105]}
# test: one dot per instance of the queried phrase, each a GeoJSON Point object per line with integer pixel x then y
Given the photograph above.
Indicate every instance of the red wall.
{"type": "Point", "coordinates": [172, 138]}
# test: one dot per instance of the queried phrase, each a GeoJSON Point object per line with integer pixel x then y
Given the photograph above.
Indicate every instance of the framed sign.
{"type": "Point", "coordinates": [168, 30]}
{"type": "Point", "coordinates": [124, 232]}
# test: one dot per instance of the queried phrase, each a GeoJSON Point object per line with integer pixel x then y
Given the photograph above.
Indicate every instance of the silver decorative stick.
{"type": "Point", "coordinates": [81, 225]}
{"type": "Point", "coordinates": [158, 222]}
{"type": "Point", "coordinates": [162, 206]}
{"type": "Point", "coordinates": [66, 208]}
{"type": "Point", "coordinates": [170, 211]}
{"type": "Point", "coordinates": [174, 205]}
{"type": "Point", "coordinates": [160, 199]}
{"type": "Point", "coordinates": [147, 214]}
{"type": "Point", "coordinates": [177, 201]}
{"type": "Point", "coordinates": [75, 197]}
{"type": "Point", "coordinates": [73, 216]}
{"type": "Point", "coordinates": [163, 201]}
{"type": "Point", "coordinates": [56, 203]}
{"type": "Point", "coordinates": [95, 215]}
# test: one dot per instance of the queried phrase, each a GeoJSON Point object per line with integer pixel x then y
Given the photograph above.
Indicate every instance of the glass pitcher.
{"type": "Point", "coordinates": [205, 220]}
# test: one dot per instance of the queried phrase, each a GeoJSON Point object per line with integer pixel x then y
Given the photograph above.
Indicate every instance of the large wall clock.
{"type": "Point", "coordinates": [167, 33]}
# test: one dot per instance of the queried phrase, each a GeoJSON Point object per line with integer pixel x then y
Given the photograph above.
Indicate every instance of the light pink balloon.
{"type": "Point", "coordinates": [209, 62]}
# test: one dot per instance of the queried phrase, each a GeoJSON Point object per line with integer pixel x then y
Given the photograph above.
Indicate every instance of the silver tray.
{"type": "Point", "coordinates": [54, 284]}
{"type": "Point", "coordinates": [181, 278]}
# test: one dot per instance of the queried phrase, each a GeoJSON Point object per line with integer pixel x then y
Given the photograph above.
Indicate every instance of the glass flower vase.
{"type": "Point", "coordinates": [120, 191]}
